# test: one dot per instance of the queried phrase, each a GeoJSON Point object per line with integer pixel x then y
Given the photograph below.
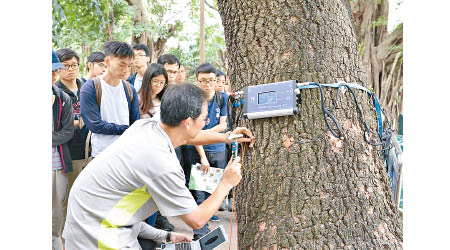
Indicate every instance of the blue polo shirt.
{"type": "Point", "coordinates": [214, 114]}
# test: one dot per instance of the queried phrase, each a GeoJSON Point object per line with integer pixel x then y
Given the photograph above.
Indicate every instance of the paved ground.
{"type": "Point", "coordinates": [224, 216]}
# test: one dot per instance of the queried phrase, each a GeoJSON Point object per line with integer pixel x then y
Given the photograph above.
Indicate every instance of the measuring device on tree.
{"type": "Point", "coordinates": [270, 100]}
{"type": "Point", "coordinates": [283, 98]}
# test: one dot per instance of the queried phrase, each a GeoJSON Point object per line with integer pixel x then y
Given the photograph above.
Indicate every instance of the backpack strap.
{"type": "Point", "coordinates": [130, 91]}
{"type": "Point", "coordinates": [219, 99]}
{"type": "Point", "coordinates": [87, 147]}
{"type": "Point", "coordinates": [98, 91]}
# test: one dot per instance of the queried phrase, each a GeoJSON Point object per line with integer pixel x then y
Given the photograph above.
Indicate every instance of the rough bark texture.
{"type": "Point", "coordinates": [383, 62]}
{"type": "Point", "coordinates": [156, 46]}
{"type": "Point", "coordinates": [319, 192]}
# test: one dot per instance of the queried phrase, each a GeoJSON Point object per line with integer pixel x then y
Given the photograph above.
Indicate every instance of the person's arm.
{"type": "Point", "coordinates": [231, 177]}
{"type": "Point", "coordinates": [206, 137]}
{"type": "Point", "coordinates": [66, 132]}
{"type": "Point", "coordinates": [221, 126]}
{"type": "Point", "coordinates": [203, 160]}
{"type": "Point", "coordinates": [91, 113]}
{"type": "Point", "coordinates": [148, 232]}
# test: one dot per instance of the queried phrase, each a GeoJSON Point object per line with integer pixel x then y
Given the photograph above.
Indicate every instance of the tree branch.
{"type": "Point", "coordinates": [210, 6]}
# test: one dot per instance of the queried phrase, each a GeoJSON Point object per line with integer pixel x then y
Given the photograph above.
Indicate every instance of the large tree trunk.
{"type": "Point", "coordinates": [156, 46]}
{"type": "Point", "coordinates": [320, 192]}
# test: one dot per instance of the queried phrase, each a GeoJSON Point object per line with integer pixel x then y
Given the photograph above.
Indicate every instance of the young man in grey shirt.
{"type": "Point", "coordinates": [139, 174]}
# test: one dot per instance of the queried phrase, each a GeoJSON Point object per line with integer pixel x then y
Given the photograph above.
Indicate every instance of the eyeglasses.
{"type": "Point", "coordinates": [142, 55]}
{"type": "Point", "coordinates": [158, 83]}
{"type": "Point", "coordinates": [204, 83]}
{"type": "Point", "coordinates": [68, 66]}
{"type": "Point", "coordinates": [206, 121]}
{"type": "Point", "coordinates": [170, 72]}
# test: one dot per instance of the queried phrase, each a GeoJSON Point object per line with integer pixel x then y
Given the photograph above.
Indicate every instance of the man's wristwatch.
{"type": "Point", "coordinates": [168, 237]}
{"type": "Point", "coordinates": [227, 134]}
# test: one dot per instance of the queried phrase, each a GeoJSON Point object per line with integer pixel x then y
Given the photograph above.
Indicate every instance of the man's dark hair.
{"type": "Point", "coordinates": [145, 93]}
{"type": "Point", "coordinates": [67, 54]}
{"type": "Point", "coordinates": [141, 46]}
{"type": "Point", "coordinates": [181, 101]}
{"type": "Point", "coordinates": [169, 59]}
{"type": "Point", "coordinates": [220, 73]}
{"type": "Point", "coordinates": [118, 49]}
{"type": "Point", "coordinates": [205, 68]}
{"type": "Point", "coordinates": [96, 57]}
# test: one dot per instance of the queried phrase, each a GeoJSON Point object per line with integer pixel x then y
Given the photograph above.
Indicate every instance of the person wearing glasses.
{"type": "Point", "coordinates": [140, 174]}
{"type": "Point", "coordinates": [172, 66]}
{"type": "Point", "coordinates": [153, 85]}
{"type": "Point", "coordinates": [62, 133]}
{"type": "Point", "coordinates": [140, 62]}
{"type": "Point", "coordinates": [212, 155]}
{"type": "Point", "coordinates": [96, 65]}
{"type": "Point", "coordinates": [71, 85]}
{"type": "Point", "coordinates": [183, 74]}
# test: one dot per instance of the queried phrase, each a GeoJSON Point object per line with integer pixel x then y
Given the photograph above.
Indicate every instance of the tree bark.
{"type": "Point", "coordinates": [157, 46]}
{"type": "Point", "coordinates": [302, 188]}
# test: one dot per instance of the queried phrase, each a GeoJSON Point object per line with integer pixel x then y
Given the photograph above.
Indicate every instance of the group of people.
{"type": "Point", "coordinates": [123, 147]}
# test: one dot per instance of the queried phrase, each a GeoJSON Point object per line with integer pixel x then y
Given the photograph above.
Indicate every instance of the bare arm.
{"type": "Point", "coordinates": [206, 137]}
{"type": "Point", "coordinates": [231, 177]}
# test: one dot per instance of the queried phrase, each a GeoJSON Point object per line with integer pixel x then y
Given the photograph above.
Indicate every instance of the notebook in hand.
{"type": "Point", "coordinates": [207, 242]}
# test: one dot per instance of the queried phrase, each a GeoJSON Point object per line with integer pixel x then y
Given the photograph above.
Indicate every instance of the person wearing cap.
{"type": "Point", "coordinates": [62, 132]}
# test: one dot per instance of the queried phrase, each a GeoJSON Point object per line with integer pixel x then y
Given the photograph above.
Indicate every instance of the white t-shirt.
{"type": "Point", "coordinates": [113, 109]}
{"type": "Point", "coordinates": [132, 179]}
{"type": "Point", "coordinates": [137, 83]}
{"type": "Point", "coordinates": [156, 111]}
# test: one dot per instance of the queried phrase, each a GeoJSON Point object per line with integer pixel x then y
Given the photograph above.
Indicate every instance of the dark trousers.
{"type": "Point", "coordinates": [147, 244]}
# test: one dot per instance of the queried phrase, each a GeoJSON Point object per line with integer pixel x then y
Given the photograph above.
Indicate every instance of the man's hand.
{"type": "Point", "coordinates": [205, 165]}
{"type": "Point", "coordinates": [53, 99]}
{"type": "Point", "coordinates": [232, 174]}
{"type": "Point", "coordinates": [247, 132]}
{"type": "Point", "coordinates": [177, 237]}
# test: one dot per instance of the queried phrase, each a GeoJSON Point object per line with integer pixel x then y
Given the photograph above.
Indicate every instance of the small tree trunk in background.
{"type": "Point", "coordinates": [302, 188]}
{"type": "Point", "coordinates": [111, 21]}
{"type": "Point", "coordinates": [157, 46]}
{"type": "Point", "coordinates": [85, 52]}
{"type": "Point", "coordinates": [202, 31]}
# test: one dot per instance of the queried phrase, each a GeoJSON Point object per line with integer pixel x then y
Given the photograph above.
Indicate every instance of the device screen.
{"type": "Point", "coordinates": [267, 97]}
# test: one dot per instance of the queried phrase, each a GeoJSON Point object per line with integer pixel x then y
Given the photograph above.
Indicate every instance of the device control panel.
{"type": "Point", "coordinates": [270, 100]}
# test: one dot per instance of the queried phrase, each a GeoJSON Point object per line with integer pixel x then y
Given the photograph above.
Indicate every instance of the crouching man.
{"type": "Point", "coordinates": [139, 174]}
